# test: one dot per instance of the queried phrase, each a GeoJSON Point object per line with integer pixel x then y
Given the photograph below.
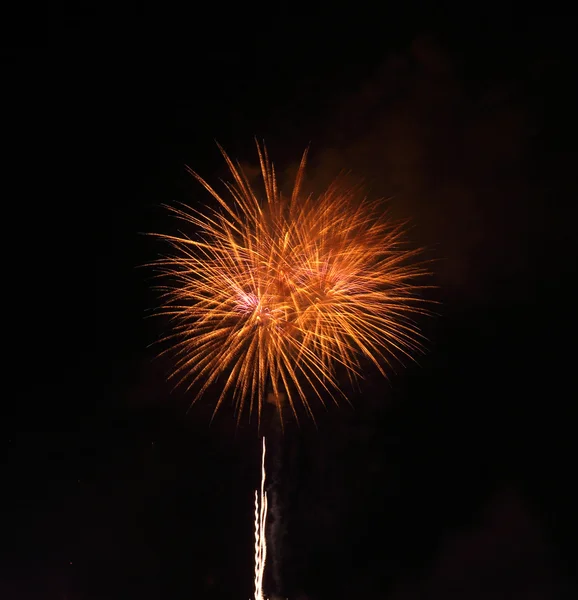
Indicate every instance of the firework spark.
{"type": "Point", "coordinates": [273, 294]}
{"type": "Point", "coordinates": [260, 540]}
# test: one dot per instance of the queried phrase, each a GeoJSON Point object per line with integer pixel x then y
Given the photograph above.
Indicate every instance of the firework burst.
{"type": "Point", "coordinates": [271, 294]}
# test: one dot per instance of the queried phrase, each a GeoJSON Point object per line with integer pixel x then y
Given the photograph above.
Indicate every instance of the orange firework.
{"type": "Point", "coordinates": [272, 294]}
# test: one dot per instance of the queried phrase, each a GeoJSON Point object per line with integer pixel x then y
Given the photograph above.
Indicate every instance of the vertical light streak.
{"type": "Point", "coordinates": [260, 541]}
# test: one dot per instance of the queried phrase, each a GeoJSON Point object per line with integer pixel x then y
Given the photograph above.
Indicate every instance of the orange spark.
{"type": "Point", "coordinates": [270, 295]}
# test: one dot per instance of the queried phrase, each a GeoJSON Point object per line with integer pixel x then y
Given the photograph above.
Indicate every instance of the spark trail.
{"type": "Point", "coordinates": [260, 540]}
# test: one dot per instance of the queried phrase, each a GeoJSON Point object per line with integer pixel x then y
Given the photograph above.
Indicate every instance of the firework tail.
{"type": "Point", "coordinates": [260, 532]}
{"type": "Point", "coordinates": [270, 530]}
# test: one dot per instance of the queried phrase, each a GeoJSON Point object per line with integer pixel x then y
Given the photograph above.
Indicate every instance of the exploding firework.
{"type": "Point", "coordinates": [272, 294]}
{"type": "Point", "coordinates": [260, 539]}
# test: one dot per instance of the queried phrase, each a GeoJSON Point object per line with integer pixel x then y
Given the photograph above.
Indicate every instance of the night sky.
{"type": "Point", "coordinates": [453, 479]}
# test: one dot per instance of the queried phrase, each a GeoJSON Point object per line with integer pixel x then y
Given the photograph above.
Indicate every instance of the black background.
{"type": "Point", "coordinates": [456, 476]}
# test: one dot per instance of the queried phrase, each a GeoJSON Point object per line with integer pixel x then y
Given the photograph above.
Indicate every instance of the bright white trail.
{"type": "Point", "coordinates": [260, 541]}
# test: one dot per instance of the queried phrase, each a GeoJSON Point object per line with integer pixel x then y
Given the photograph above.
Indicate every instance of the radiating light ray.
{"type": "Point", "coordinates": [260, 539]}
{"type": "Point", "coordinates": [279, 292]}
